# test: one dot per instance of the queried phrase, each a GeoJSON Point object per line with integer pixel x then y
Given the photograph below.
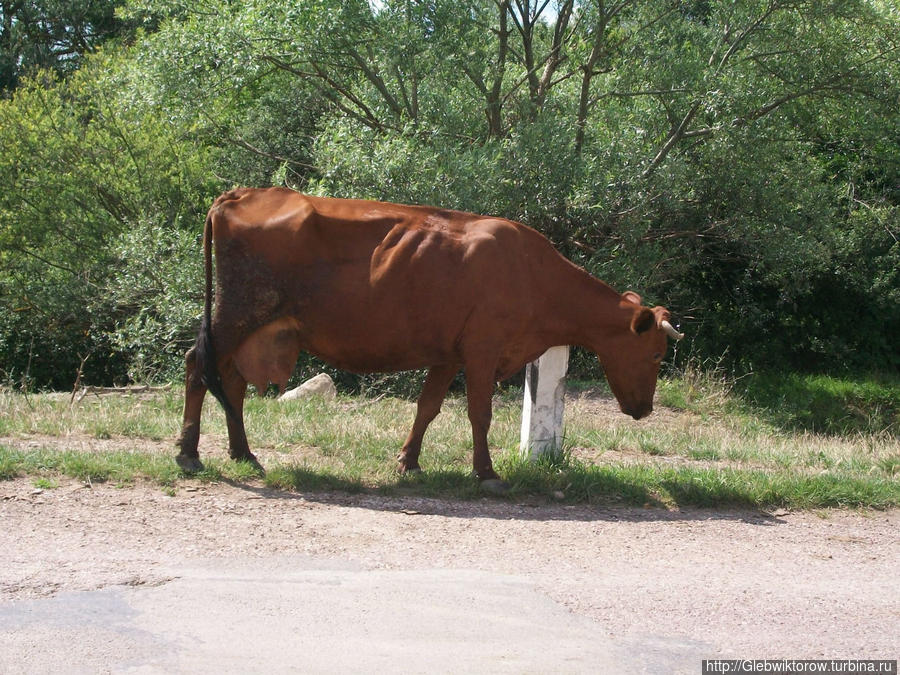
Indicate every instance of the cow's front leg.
{"type": "Point", "coordinates": [437, 382]}
{"type": "Point", "coordinates": [479, 390]}
{"type": "Point", "coordinates": [194, 392]}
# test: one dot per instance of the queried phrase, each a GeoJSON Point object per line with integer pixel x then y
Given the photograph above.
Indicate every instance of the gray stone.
{"type": "Point", "coordinates": [320, 385]}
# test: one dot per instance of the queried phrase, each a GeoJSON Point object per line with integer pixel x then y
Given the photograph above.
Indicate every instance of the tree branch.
{"type": "Point", "coordinates": [674, 136]}
{"type": "Point", "coordinates": [555, 58]}
{"type": "Point", "coordinates": [375, 78]}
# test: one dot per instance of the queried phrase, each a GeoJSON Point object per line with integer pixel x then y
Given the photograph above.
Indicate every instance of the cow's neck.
{"type": "Point", "coordinates": [584, 311]}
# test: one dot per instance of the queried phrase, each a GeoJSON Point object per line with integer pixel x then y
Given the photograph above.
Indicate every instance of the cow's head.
{"type": "Point", "coordinates": [632, 355]}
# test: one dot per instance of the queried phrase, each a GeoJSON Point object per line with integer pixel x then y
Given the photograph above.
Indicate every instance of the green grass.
{"type": "Point", "coordinates": [108, 416]}
{"type": "Point", "coordinates": [45, 483]}
{"type": "Point", "coordinates": [826, 404]}
{"type": "Point", "coordinates": [761, 442]}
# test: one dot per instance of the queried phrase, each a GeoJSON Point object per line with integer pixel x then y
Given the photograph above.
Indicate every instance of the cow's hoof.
{"type": "Point", "coordinates": [494, 486]}
{"type": "Point", "coordinates": [189, 464]}
{"type": "Point", "coordinates": [409, 470]}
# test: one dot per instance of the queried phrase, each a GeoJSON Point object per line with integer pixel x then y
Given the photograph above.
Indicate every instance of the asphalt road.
{"type": "Point", "coordinates": [314, 616]}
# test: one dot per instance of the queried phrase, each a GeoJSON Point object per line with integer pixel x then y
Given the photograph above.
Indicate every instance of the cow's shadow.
{"type": "Point", "coordinates": [407, 499]}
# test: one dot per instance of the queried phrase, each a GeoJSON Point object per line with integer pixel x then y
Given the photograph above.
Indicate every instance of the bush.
{"type": "Point", "coordinates": [82, 268]}
{"type": "Point", "coordinates": [770, 227]}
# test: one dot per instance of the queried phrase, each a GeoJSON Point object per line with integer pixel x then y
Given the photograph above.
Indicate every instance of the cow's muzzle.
{"type": "Point", "coordinates": [638, 412]}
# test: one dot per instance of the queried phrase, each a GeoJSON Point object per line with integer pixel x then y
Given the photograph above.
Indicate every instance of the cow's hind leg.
{"type": "Point", "coordinates": [479, 390]}
{"type": "Point", "coordinates": [437, 382]}
{"type": "Point", "coordinates": [235, 387]}
{"type": "Point", "coordinates": [194, 392]}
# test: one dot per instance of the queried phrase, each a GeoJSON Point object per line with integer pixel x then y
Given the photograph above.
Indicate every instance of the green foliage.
{"type": "Point", "coordinates": [157, 289]}
{"type": "Point", "coordinates": [53, 34]}
{"type": "Point", "coordinates": [96, 196]}
{"type": "Point", "coordinates": [738, 162]}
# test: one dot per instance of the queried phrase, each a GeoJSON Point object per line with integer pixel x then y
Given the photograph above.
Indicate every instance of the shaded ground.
{"type": "Point", "coordinates": [237, 577]}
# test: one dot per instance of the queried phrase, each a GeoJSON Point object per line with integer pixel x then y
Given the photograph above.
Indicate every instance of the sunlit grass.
{"type": "Point", "coordinates": [707, 445]}
{"type": "Point", "coordinates": [97, 417]}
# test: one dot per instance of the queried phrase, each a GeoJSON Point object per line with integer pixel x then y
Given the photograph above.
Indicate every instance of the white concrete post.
{"type": "Point", "coordinates": [542, 411]}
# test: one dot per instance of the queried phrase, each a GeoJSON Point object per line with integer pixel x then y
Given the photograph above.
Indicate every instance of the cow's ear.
{"type": "Point", "coordinates": [631, 296]}
{"type": "Point", "coordinates": [644, 319]}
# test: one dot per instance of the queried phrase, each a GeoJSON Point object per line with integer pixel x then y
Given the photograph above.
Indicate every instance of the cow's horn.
{"type": "Point", "coordinates": [670, 330]}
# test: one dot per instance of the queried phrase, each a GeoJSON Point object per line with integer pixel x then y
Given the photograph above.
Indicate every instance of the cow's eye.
{"type": "Point", "coordinates": [657, 357]}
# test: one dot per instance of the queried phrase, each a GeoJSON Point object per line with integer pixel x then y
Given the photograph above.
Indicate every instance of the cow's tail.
{"type": "Point", "coordinates": [205, 351]}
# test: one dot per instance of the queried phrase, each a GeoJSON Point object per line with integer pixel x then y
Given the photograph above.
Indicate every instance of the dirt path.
{"type": "Point", "coordinates": [331, 583]}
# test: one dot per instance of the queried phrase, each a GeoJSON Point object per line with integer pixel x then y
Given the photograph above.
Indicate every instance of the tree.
{"type": "Point", "coordinates": [52, 34]}
{"type": "Point", "coordinates": [736, 160]}
{"type": "Point", "coordinates": [82, 176]}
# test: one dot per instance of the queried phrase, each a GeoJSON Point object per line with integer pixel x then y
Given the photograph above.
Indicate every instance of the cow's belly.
{"type": "Point", "coordinates": [357, 327]}
{"type": "Point", "coordinates": [367, 348]}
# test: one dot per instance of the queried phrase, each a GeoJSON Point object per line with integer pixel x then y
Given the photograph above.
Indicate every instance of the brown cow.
{"type": "Point", "coordinates": [371, 287]}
